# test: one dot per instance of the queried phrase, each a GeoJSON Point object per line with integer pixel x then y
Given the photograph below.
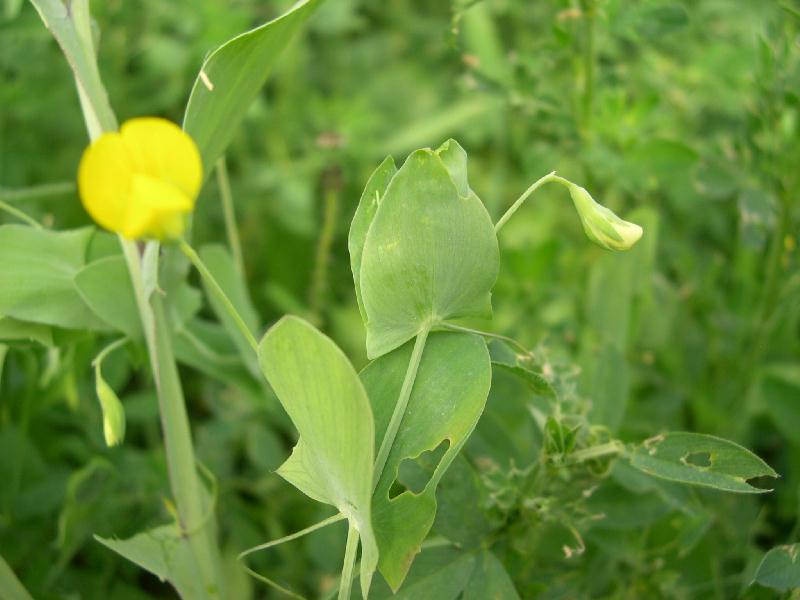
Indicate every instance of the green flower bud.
{"type": "Point", "coordinates": [600, 224]}
{"type": "Point", "coordinates": [113, 412]}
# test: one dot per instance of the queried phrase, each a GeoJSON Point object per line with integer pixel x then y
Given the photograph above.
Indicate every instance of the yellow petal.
{"type": "Point", "coordinates": [156, 209]}
{"type": "Point", "coordinates": [164, 151]}
{"type": "Point", "coordinates": [104, 180]}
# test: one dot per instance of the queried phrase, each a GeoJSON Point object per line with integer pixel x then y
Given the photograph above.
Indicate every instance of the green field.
{"type": "Point", "coordinates": [494, 399]}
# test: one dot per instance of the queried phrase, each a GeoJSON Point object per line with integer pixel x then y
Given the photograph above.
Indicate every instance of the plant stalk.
{"type": "Point", "coordinates": [400, 407]}
{"type": "Point", "coordinates": [219, 292]}
{"type": "Point", "coordinates": [346, 581]}
{"type": "Point", "coordinates": [518, 202]}
{"type": "Point", "coordinates": [319, 282]}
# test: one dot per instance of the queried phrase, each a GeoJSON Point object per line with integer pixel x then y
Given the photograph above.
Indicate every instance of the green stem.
{"type": "Point", "coordinates": [589, 12]}
{"type": "Point", "coordinates": [346, 581]}
{"type": "Point", "coordinates": [229, 215]}
{"type": "Point", "coordinates": [20, 215]}
{"type": "Point", "coordinates": [101, 356]}
{"type": "Point", "coordinates": [514, 207]}
{"type": "Point", "coordinates": [400, 407]}
{"type": "Point", "coordinates": [319, 282]}
{"type": "Point", "coordinates": [37, 191]}
{"type": "Point", "coordinates": [487, 334]}
{"type": "Point", "coordinates": [218, 292]}
{"type": "Point", "coordinates": [609, 448]}
{"type": "Point", "coordinates": [293, 536]}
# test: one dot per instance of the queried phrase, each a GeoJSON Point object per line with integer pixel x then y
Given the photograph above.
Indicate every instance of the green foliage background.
{"type": "Point", "coordinates": [682, 116]}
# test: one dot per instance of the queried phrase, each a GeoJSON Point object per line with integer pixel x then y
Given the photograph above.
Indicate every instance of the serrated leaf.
{"type": "Point", "coordinates": [780, 568]}
{"type": "Point", "coordinates": [447, 399]}
{"type": "Point", "coordinates": [430, 253]}
{"type": "Point", "coordinates": [698, 459]}
{"type": "Point", "coordinates": [232, 76]}
{"type": "Point", "coordinates": [503, 357]}
{"type": "Point", "coordinates": [319, 389]}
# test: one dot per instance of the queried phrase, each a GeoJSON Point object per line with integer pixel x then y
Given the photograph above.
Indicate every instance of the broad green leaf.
{"type": "Point", "coordinates": [105, 286]}
{"type": "Point", "coordinates": [165, 553]}
{"type": "Point", "coordinates": [37, 268]}
{"type": "Point", "coordinates": [10, 587]}
{"type": "Point", "coordinates": [780, 568]}
{"type": "Point", "coordinates": [430, 253]}
{"type": "Point", "coordinates": [220, 263]}
{"type": "Point", "coordinates": [319, 389]}
{"type": "Point", "coordinates": [489, 580]}
{"type": "Point", "coordinates": [439, 573]}
{"type": "Point", "coordinates": [698, 459]}
{"type": "Point", "coordinates": [362, 219]}
{"type": "Point", "coordinates": [232, 76]}
{"type": "Point", "coordinates": [14, 329]}
{"type": "Point", "coordinates": [446, 402]}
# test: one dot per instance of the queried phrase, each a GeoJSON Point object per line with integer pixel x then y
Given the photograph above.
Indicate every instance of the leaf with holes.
{"type": "Point", "coordinates": [333, 460]}
{"type": "Point", "coordinates": [447, 400]}
{"type": "Point", "coordinates": [430, 253]}
{"type": "Point", "coordinates": [780, 568]}
{"type": "Point", "coordinates": [232, 76]}
{"type": "Point", "coordinates": [703, 460]}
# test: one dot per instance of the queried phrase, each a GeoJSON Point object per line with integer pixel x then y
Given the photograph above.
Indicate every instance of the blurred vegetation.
{"type": "Point", "coordinates": [682, 116]}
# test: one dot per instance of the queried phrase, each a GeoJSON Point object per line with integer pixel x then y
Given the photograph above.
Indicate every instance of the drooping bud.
{"type": "Point", "coordinates": [113, 412]}
{"type": "Point", "coordinates": [601, 225]}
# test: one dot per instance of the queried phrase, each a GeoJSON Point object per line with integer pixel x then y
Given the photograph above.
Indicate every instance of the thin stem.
{"type": "Point", "coordinates": [609, 448]}
{"type": "Point", "coordinates": [504, 338]}
{"type": "Point", "coordinates": [229, 214]}
{"type": "Point", "coordinates": [101, 356]}
{"type": "Point", "coordinates": [20, 215]}
{"type": "Point", "coordinates": [400, 407]}
{"type": "Point", "coordinates": [588, 64]}
{"type": "Point", "coordinates": [219, 292]}
{"type": "Point", "coordinates": [293, 536]}
{"type": "Point", "coordinates": [37, 191]}
{"type": "Point", "coordinates": [514, 207]}
{"type": "Point", "coordinates": [272, 584]}
{"type": "Point", "coordinates": [319, 282]}
{"type": "Point", "coordinates": [346, 581]}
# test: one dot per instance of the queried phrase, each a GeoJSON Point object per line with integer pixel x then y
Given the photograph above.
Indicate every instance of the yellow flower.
{"type": "Point", "coordinates": [142, 181]}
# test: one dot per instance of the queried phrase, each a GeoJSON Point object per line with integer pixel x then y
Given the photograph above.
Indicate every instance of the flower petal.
{"type": "Point", "coordinates": [164, 151]}
{"type": "Point", "coordinates": [104, 180]}
{"type": "Point", "coordinates": [156, 209]}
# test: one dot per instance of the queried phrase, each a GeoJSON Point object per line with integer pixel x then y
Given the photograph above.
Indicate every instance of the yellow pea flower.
{"type": "Point", "coordinates": [142, 181]}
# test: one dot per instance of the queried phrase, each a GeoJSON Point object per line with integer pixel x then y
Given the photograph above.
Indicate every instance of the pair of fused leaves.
{"type": "Point", "coordinates": [341, 418]}
{"type": "Point", "coordinates": [422, 248]}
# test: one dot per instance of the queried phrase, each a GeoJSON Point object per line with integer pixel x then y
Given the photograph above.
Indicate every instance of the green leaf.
{"type": "Point", "coordinates": [165, 553]}
{"type": "Point", "coordinates": [504, 358]}
{"type": "Point", "coordinates": [232, 76]}
{"type": "Point", "coordinates": [430, 253]}
{"type": "Point", "coordinates": [447, 400]}
{"type": "Point", "coordinates": [440, 573]}
{"type": "Point", "coordinates": [490, 580]}
{"type": "Point", "coordinates": [10, 586]}
{"type": "Point", "coordinates": [14, 329]}
{"type": "Point", "coordinates": [703, 460]}
{"type": "Point", "coordinates": [362, 219]}
{"type": "Point", "coordinates": [106, 288]}
{"type": "Point", "coordinates": [36, 278]}
{"type": "Point", "coordinates": [780, 568]}
{"type": "Point", "coordinates": [319, 389]}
